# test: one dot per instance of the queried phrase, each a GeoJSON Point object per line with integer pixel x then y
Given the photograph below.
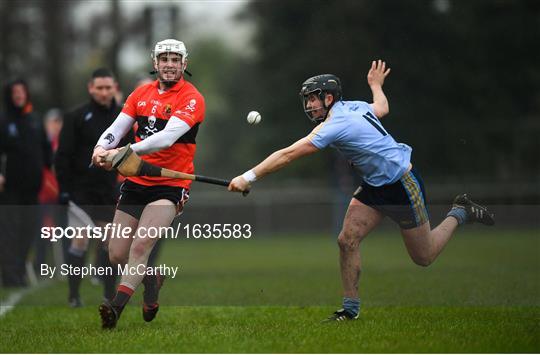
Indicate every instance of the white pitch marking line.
{"type": "Point", "coordinates": [15, 297]}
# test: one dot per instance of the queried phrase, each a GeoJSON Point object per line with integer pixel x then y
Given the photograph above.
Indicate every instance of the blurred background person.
{"type": "Point", "coordinates": [118, 94]}
{"type": "Point", "coordinates": [93, 190]}
{"type": "Point", "coordinates": [48, 194]}
{"type": "Point", "coordinates": [24, 152]}
{"type": "Point", "coordinates": [53, 122]}
{"type": "Point", "coordinates": [142, 80]}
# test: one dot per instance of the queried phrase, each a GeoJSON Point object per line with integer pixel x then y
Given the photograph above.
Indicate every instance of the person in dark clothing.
{"type": "Point", "coordinates": [92, 189]}
{"type": "Point", "coordinates": [52, 214]}
{"type": "Point", "coordinates": [24, 152]}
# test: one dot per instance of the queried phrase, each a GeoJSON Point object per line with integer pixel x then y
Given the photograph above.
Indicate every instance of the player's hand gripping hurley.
{"type": "Point", "coordinates": [128, 163]}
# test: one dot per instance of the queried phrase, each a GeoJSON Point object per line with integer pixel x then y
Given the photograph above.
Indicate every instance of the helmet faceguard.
{"type": "Point", "coordinates": [320, 85]}
{"type": "Point", "coordinates": [170, 46]}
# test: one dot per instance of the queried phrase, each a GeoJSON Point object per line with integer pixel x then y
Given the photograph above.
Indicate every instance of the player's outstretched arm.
{"type": "Point", "coordinates": [273, 162]}
{"type": "Point", "coordinates": [375, 77]}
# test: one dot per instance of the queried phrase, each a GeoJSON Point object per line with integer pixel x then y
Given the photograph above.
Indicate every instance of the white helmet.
{"type": "Point", "coordinates": [170, 46]}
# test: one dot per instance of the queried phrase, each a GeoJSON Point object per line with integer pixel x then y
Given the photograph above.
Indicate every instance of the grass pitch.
{"type": "Point", "coordinates": [269, 294]}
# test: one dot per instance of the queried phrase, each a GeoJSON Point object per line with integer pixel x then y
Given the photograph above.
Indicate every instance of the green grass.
{"type": "Point", "coordinates": [268, 294]}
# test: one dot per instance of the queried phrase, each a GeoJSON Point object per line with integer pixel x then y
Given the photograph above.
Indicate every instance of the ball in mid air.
{"type": "Point", "coordinates": [253, 117]}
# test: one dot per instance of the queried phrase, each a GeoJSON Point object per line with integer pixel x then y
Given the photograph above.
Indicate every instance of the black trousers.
{"type": "Point", "coordinates": [20, 221]}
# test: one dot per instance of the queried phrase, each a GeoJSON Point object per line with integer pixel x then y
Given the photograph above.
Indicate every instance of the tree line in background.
{"type": "Point", "coordinates": [463, 89]}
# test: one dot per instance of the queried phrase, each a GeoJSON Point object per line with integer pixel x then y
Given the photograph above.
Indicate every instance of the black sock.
{"type": "Point", "coordinates": [109, 284]}
{"type": "Point", "coordinates": [122, 297]}
{"type": "Point", "coordinates": [75, 258]}
{"type": "Point", "coordinates": [109, 281]}
{"type": "Point", "coordinates": [150, 289]}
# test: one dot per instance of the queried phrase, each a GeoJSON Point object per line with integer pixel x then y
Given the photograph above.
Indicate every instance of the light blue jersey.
{"type": "Point", "coordinates": [353, 129]}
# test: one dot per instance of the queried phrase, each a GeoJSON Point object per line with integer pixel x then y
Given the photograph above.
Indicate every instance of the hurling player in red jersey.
{"type": "Point", "coordinates": [168, 112]}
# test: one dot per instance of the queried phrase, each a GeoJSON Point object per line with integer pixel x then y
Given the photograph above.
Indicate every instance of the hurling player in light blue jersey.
{"type": "Point", "coordinates": [391, 185]}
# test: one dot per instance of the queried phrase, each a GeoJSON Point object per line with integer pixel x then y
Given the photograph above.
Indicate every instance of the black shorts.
{"type": "Point", "coordinates": [403, 201]}
{"type": "Point", "coordinates": [134, 197]}
{"type": "Point", "coordinates": [98, 204]}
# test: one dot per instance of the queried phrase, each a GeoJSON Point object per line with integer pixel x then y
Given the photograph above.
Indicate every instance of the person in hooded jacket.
{"type": "Point", "coordinates": [24, 152]}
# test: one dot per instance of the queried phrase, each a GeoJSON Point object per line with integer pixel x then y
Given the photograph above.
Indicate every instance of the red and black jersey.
{"type": "Point", "coordinates": [152, 108]}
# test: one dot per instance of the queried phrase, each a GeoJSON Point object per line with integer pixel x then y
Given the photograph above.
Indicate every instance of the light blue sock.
{"type": "Point", "coordinates": [458, 213]}
{"type": "Point", "coordinates": [351, 305]}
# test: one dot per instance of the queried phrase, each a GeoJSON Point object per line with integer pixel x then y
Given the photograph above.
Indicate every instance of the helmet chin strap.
{"type": "Point", "coordinates": [328, 108]}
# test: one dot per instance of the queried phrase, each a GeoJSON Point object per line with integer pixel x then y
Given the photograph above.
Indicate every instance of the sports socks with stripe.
{"type": "Point", "coordinates": [351, 305]}
{"type": "Point", "coordinates": [459, 214]}
{"type": "Point", "coordinates": [123, 294]}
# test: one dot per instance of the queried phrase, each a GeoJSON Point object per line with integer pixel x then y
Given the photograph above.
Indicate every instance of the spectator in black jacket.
{"type": "Point", "coordinates": [24, 152]}
{"type": "Point", "coordinates": [92, 189]}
